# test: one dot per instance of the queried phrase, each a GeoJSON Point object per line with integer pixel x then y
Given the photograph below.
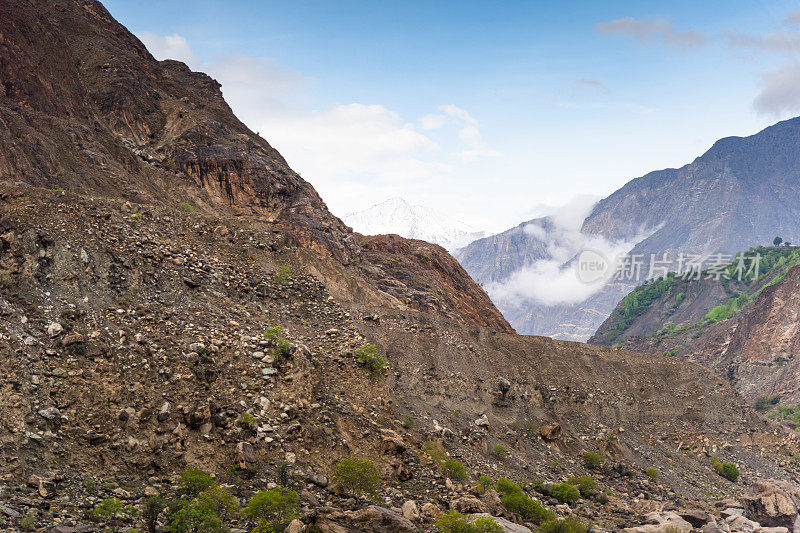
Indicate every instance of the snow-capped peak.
{"type": "Point", "coordinates": [396, 215]}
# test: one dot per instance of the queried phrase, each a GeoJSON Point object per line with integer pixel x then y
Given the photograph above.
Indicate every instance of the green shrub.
{"type": "Point", "coordinates": [506, 486]}
{"type": "Point", "coordinates": [27, 523]}
{"type": "Point", "coordinates": [500, 451]}
{"type": "Point", "coordinates": [281, 347]}
{"type": "Point", "coordinates": [357, 476]}
{"type": "Point", "coordinates": [408, 421]}
{"type": "Point", "coordinates": [454, 469]}
{"type": "Point", "coordinates": [272, 510]}
{"type": "Point", "coordinates": [186, 207]}
{"type": "Point", "coordinates": [566, 525]}
{"type": "Point", "coordinates": [526, 508]}
{"type": "Point", "coordinates": [435, 450]}
{"type": "Point", "coordinates": [194, 481]}
{"type": "Point", "coordinates": [727, 470]}
{"type": "Point", "coordinates": [592, 459]}
{"type": "Point", "coordinates": [484, 484]}
{"type": "Point", "coordinates": [367, 355]}
{"type": "Point", "coordinates": [283, 275]}
{"type": "Point", "coordinates": [539, 486]}
{"type": "Point", "coordinates": [248, 421]}
{"type": "Point", "coordinates": [113, 511]}
{"type": "Point", "coordinates": [224, 502]}
{"type": "Point", "coordinates": [196, 514]}
{"type": "Point", "coordinates": [454, 522]}
{"type": "Point", "coordinates": [652, 473]}
{"type": "Point", "coordinates": [585, 485]}
{"type": "Point", "coordinates": [565, 493]}
{"type": "Point", "coordinates": [486, 524]}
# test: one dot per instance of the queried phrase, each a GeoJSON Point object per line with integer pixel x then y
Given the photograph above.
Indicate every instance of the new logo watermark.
{"type": "Point", "coordinates": [595, 267]}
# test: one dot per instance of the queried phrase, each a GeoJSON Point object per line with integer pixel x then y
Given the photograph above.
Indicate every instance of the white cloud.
{"type": "Point", "coordinates": [432, 122]}
{"type": "Point", "coordinates": [792, 18]}
{"type": "Point", "coordinates": [780, 91]}
{"type": "Point", "coordinates": [555, 280]}
{"type": "Point", "coordinates": [587, 85]}
{"type": "Point", "coordinates": [169, 47]}
{"type": "Point", "coordinates": [776, 41]}
{"type": "Point", "coordinates": [456, 112]}
{"type": "Point", "coordinates": [656, 30]}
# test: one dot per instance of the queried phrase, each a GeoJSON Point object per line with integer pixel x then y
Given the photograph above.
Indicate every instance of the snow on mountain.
{"type": "Point", "coordinates": [398, 216]}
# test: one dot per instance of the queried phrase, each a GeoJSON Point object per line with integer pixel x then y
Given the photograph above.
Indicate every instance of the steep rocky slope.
{"type": "Point", "coordinates": [137, 297]}
{"type": "Point", "coordinates": [741, 193]}
{"type": "Point", "coordinates": [753, 347]}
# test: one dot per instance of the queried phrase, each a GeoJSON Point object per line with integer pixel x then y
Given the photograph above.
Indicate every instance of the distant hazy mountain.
{"type": "Point", "coordinates": [398, 216]}
{"type": "Point", "coordinates": [741, 193]}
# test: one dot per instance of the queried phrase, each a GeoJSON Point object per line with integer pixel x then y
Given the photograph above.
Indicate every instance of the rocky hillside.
{"type": "Point", "coordinates": [741, 193]}
{"type": "Point", "coordinates": [173, 297]}
{"type": "Point", "coordinates": [744, 332]}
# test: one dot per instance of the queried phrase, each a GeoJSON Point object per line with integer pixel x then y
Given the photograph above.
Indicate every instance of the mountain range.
{"type": "Point", "coordinates": [400, 217]}
{"type": "Point", "coordinates": [742, 192]}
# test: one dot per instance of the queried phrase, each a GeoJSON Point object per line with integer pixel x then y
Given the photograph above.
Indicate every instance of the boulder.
{"type": "Point", "coordinates": [550, 432]}
{"type": "Point", "coordinates": [372, 519]}
{"type": "Point", "coordinates": [410, 511]}
{"type": "Point", "coordinates": [468, 504]}
{"type": "Point", "coordinates": [773, 503]}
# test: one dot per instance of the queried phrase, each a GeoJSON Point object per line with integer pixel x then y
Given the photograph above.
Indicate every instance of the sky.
{"type": "Point", "coordinates": [491, 112]}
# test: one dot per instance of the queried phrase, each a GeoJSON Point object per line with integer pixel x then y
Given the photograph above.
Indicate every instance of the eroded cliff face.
{"type": "Point", "coordinates": [757, 350]}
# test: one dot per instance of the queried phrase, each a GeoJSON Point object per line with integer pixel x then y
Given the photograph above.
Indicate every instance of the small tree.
{"type": "Point", "coordinates": [374, 363]}
{"type": "Point", "coordinates": [195, 515]}
{"type": "Point", "coordinates": [273, 509]}
{"type": "Point", "coordinates": [777, 241]}
{"type": "Point", "coordinates": [592, 459]}
{"type": "Point", "coordinates": [484, 484]}
{"type": "Point", "coordinates": [357, 476]}
{"type": "Point", "coordinates": [153, 506]}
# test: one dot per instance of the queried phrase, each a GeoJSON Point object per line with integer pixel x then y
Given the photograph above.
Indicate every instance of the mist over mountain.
{"type": "Point", "coordinates": [741, 193]}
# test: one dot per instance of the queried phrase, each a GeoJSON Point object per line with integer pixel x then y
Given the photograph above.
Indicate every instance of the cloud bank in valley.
{"type": "Point", "coordinates": [554, 280]}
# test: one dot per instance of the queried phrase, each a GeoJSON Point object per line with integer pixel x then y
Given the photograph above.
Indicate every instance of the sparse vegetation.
{"type": "Point", "coordinates": [506, 486]}
{"type": "Point", "coordinates": [113, 512]}
{"type": "Point", "coordinates": [27, 523]}
{"type": "Point", "coordinates": [357, 476]}
{"type": "Point", "coordinates": [272, 510]}
{"type": "Point", "coordinates": [374, 363]}
{"type": "Point", "coordinates": [586, 485]}
{"type": "Point", "coordinates": [455, 522]}
{"type": "Point", "coordinates": [652, 473]}
{"type": "Point", "coordinates": [500, 451]}
{"type": "Point", "coordinates": [526, 508]}
{"type": "Point", "coordinates": [186, 207]}
{"type": "Point", "coordinates": [281, 347]}
{"type": "Point", "coordinates": [727, 470]}
{"type": "Point", "coordinates": [408, 421]}
{"type": "Point", "coordinates": [153, 507]}
{"type": "Point", "coordinates": [565, 525]}
{"type": "Point", "coordinates": [435, 450]}
{"type": "Point", "coordinates": [592, 460]}
{"type": "Point", "coordinates": [194, 481]}
{"type": "Point", "coordinates": [454, 469]}
{"type": "Point", "coordinates": [248, 421]}
{"type": "Point", "coordinates": [283, 275]}
{"type": "Point", "coordinates": [484, 484]}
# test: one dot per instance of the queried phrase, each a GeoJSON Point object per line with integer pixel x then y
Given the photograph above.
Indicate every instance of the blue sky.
{"type": "Point", "coordinates": [490, 112]}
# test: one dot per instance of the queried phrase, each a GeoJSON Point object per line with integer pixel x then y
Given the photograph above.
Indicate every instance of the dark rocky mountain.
{"type": "Point", "coordinates": [150, 245]}
{"type": "Point", "coordinates": [740, 193]}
